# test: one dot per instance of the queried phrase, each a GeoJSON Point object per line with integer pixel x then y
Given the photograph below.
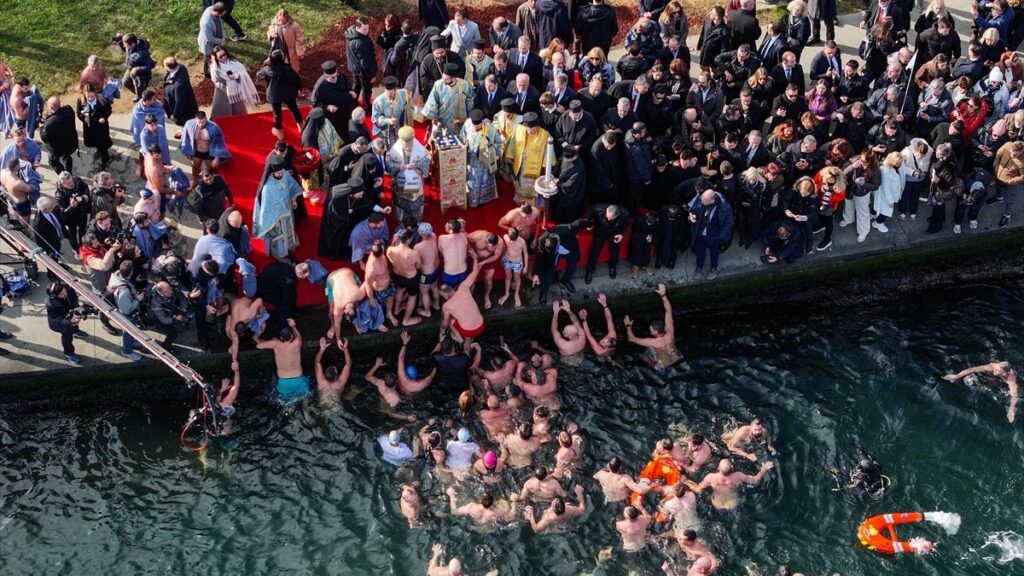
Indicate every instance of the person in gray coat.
{"type": "Point", "coordinates": [211, 33]}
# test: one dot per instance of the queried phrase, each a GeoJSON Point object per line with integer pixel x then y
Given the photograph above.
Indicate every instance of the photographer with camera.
{"type": "Point", "coordinates": [100, 259]}
{"type": "Point", "coordinates": [63, 314]}
{"type": "Point", "coordinates": [127, 299]}
{"type": "Point", "coordinates": [169, 310]}
{"type": "Point", "coordinates": [107, 195]}
{"type": "Point", "coordinates": [74, 204]}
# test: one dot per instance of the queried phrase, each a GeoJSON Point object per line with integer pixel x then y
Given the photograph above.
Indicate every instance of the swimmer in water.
{"type": "Point", "coordinates": [1001, 370]}
{"type": "Point", "coordinates": [605, 346]}
{"type": "Point", "coordinates": [698, 454]}
{"type": "Point", "coordinates": [292, 384]}
{"type": "Point", "coordinates": [501, 373]}
{"type": "Point", "coordinates": [541, 486]}
{"type": "Point", "coordinates": [570, 451]}
{"type": "Point", "coordinates": [558, 513]}
{"type": "Point", "coordinates": [330, 383]}
{"type": "Point", "coordinates": [633, 528]}
{"type": "Point", "coordinates": [485, 512]}
{"type": "Point", "coordinates": [517, 449]}
{"type": "Point", "coordinates": [725, 484]}
{"type": "Point", "coordinates": [542, 424]}
{"type": "Point", "coordinates": [409, 382]}
{"type": "Point", "coordinates": [680, 507]}
{"type": "Point", "coordinates": [226, 398]}
{"type": "Point", "coordinates": [437, 567]}
{"type": "Point", "coordinates": [411, 504]}
{"type": "Point", "coordinates": [617, 486]}
{"type": "Point", "coordinates": [661, 346]}
{"type": "Point", "coordinates": [744, 435]}
{"type": "Point", "coordinates": [702, 567]}
{"type": "Point", "coordinates": [865, 479]}
{"type": "Point", "coordinates": [489, 467]}
{"type": "Point", "coordinates": [570, 341]}
{"type": "Point", "coordinates": [387, 387]}
{"type": "Point", "coordinates": [496, 418]}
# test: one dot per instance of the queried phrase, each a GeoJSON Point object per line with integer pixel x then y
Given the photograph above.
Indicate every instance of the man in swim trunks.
{"type": "Point", "coordinates": [453, 246]}
{"type": "Point", "coordinates": [661, 346]}
{"type": "Point", "coordinates": [570, 340]}
{"type": "Point", "coordinates": [487, 248]}
{"type": "Point", "coordinates": [226, 398]}
{"type": "Point", "coordinates": [1001, 370]}
{"type": "Point", "coordinates": [616, 485]}
{"type": "Point", "coordinates": [247, 318]}
{"type": "Point", "coordinates": [411, 504]}
{"type": "Point", "coordinates": [698, 453]}
{"type": "Point", "coordinates": [485, 512]}
{"type": "Point", "coordinates": [514, 262]}
{"type": "Point", "coordinates": [558, 513]}
{"type": "Point", "coordinates": [496, 418]}
{"type": "Point", "coordinates": [517, 449]}
{"type": "Point", "coordinates": [292, 384]}
{"type": "Point", "coordinates": [605, 346]}
{"type": "Point", "coordinates": [460, 310]}
{"type": "Point", "coordinates": [725, 484]}
{"type": "Point", "coordinates": [523, 219]}
{"type": "Point", "coordinates": [633, 528]}
{"type": "Point", "coordinates": [387, 388]}
{"type": "Point", "coordinates": [740, 437]}
{"type": "Point", "coordinates": [330, 382]}
{"type": "Point", "coordinates": [405, 264]}
{"type": "Point", "coordinates": [541, 385]}
{"type": "Point", "coordinates": [429, 269]}
{"type": "Point", "coordinates": [378, 276]}
{"type": "Point", "coordinates": [344, 293]}
{"type": "Point", "coordinates": [18, 191]}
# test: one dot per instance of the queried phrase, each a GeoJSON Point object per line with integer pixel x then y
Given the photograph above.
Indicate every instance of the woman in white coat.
{"type": "Point", "coordinates": [917, 161]}
{"type": "Point", "coordinates": [890, 192]}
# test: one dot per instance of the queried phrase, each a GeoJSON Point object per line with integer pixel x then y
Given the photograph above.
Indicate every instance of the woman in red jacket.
{"type": "Point", "coordinates": [831, 184]}
{"type": "Point", "coordinates": [973, 112]}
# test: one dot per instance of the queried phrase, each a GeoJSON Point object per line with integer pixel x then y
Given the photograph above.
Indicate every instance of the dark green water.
{"type": "Point", "coordinates": [109, 491]}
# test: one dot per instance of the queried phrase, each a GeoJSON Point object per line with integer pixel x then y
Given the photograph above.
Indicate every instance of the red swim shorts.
{"type": "Point", "coordinates": [468, 333]}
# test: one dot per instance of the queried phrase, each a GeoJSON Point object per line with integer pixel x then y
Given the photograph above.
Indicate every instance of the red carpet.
{"type": "Point", "coordinates": [249, 139]}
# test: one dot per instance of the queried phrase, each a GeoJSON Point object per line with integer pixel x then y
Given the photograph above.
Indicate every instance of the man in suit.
{"type": "Point", "coordinates": [772, 46]}
{"type": "Point", "coordinates": [50, 231]}
{"type": "Point", "coordinates": [707, 97]}
{"type": "Point", "coordinates": [559, 87]}
{"type": "Point", "coordinates": [526, 96]}
{"type": "Point", "coordinates": [179, 98]}
{"type": "Point", "coordinates": [489, 96]}
{"type": "Point", "coordinates": [504, 72]}
{"type": "Point", "coordinates": [504, 34]}
{"type": "Point", "coordinates": [745, 27]}
{"type": "Point", "coordinates": [674, 49]}
{"type": "Point", "coordinates": [972, 65]}
{"type": "Point", "coordinates": [881, 9]}
{"type": "Point", "coordinates": [637, 91]}
{"type": "Point", "coordinates": [827, 64]}
{"type": "Point", "coordinates": [787, 72]}
{"type": "Point", "coordinates": [528, 62]}
{"type": "Point", "coordinates": [755, 154]}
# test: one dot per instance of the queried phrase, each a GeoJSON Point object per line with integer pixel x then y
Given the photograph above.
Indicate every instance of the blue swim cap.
{"type": "Point", "coordinates": [411, 372]}
{"type": "Point", "coordinates": [463, 435]}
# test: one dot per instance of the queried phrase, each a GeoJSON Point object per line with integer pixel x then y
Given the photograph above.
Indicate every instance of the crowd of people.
{"type": "Point", "coordinates": [651, 161]}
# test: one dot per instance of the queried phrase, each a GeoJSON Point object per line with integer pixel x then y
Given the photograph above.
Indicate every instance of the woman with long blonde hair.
{"type": "Point", "coordinates": [286, 35]}
{"type": "Point", "coordinates": [891, 190]}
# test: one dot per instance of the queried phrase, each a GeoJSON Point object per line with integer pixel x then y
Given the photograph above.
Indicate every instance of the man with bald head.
{"type": "Point", "coordinates": [711, 219]}
{"type": "Point", "coordinates": [59, 134]}
{"type": "Point", "coordinates": [725, 484]}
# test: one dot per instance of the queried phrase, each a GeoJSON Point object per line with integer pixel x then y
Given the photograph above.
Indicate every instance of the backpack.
{"type": "Point", "coordinates": [17, 285]}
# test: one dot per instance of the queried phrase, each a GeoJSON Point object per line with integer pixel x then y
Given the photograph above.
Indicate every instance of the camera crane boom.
{"type": "Point", "coordinates": [211, 412]}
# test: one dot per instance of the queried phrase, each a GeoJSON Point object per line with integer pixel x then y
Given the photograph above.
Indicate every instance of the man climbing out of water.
{"type": "Point", "coordinates": [247, 317]}
{"type": "Point", "coordinates": [345, 296]}
{"type": "Point", "coordinates": [661, 346]}
{"type": "Point", "coordinates": [725, 484]}
{"type": "Point", "coordinates": [617, 486]}
{"type": "Point", "coordinates": [570, 340]}
{"type": "Point", "coordinates": [461, 311]}
{"type": "Point", "coordinates": [633, 528]}
{"type": "Point", "coordinates": [1001, 370]}
{"type": "Point", "coordinates": [605, 346]}
{"type": "Point", "coordinates": [744, 435]}
{"type": "Point", "coordinates": [558, 512]}
{"type": "Point", "coordinates": [330, 382]}
{"type": "Point", "coordinates": [409, 382]}
{"type": "Point", "coordinates": [226, 398]}
{"type": "Point", "coordinates": [387, 388]}
{"type": "Point", "coordinates": [292, 384]}
{"type": "Point", "coordinates": [487, 248]}
{"type": "Point", "coordinates": [486, 512]}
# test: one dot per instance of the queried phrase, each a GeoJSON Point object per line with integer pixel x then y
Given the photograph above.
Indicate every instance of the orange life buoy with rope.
{"type": "Point", "coordinates": [878, 534]}
{"type": "Point", "coordinates": [664, 469]}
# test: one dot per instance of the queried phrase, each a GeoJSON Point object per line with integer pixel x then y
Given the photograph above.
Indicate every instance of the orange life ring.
{"type": "Point", "coordinates": [878, 533]}
{"type": "Point", "coordinates": [662, 468]}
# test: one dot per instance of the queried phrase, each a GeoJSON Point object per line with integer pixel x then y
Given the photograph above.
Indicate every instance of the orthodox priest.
{"type": "Point", "coordinates": [390, 112]}
{"type": "Point", "coordinates": [572, 185]}
{"type": "Point", "coordinates": [577, 128]}
{"type": "Point", "coordinates": [432, 66]}
{"type": "Point", "coordinates": [526, 154]}
{"type": "Point", "coordinates": [272, 215]}
{"type": "Point", "coordinates": [347, 207]}
{"type": "Point", "coordinates": [333, 94]}
{"type": "Point", "coordinates": [408, 162]}
{"type": "Point", "coordinates": [484, 147]}
{"type": "Point", "coordinates": [450, 100]}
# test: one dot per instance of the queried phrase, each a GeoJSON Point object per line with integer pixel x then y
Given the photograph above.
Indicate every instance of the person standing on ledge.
{"type": "Point", "coordinates": [661, 346]}
{"type": "Point", "coordinates": [1001, 370]}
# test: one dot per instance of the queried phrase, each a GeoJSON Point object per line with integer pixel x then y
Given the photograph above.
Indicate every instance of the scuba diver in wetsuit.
{"type": "Point", "coordinates": [865, 480]}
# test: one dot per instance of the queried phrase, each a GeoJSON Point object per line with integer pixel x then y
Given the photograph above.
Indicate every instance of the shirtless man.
{"type": "Point", "coordinates": [541, 486]}
{"type": "Point", "coordinates": [18, 190]}
{"type": "Point", "coordinates": [408, 382]}
{"type": "Point", "coordinates": [606, 345]}
{"type": "Point", "coordinates": [680, 507]}
{"type": "Point", "coordinates": [616, 485]}
{"type": "Point", "coordinates": [633, 528]}
{"type": "Point", "coordinates": [695, 549]}
{"type": "Point", "coordinates": [502, 373]}
{"type": "Point", "coordinates": [539, 385]}
{"type": "Point", "coordinates": [25, 148]}
{"type": "Point", "coordinates": [542, 423]}
{"type": "Point", "coordinates": [698, 453]}
{"type": "Point", "coordinates": [247, 317]}
{"type": "Point", "coordinates": [437, 567]}
{"type": "Point", "coordinates": [485, 512]}
{"type": "Point", "coordinates": [558, 513]}
{"type": "Point", "coordinates": [517, 449]}
{"type": "Point", "coordinates": [1001, 370]}
{"type": "Point", "coordinates": [454, 247]}
{"type": "Point", "coordinates": [570, 341]}
{"type": "Point", "coordinates": [387, 388]}
{"type": "Point", "coordinates": [378, 276]}
{"type": "Point", "coordinates": [725, 484]}
{"type": "Point", "coordinates": [570, 452]}
{"type": "Point", "coordinates": [19, 101]}
{"type": "Point", "coordinates": [661, 346]}
{"type": "Point", "coordinates": [344, 293]}
{"type": "Point", "coordinates": [405, 264]}
{"type": "Point", "coordinates": [523, 219]}
{"type": "Point", "coordinates": [292, 384]}
{"type": "Point", "coordinates": [515, 261]}
{"type": "Point", "coordinates": [496, 418]}
{"type": "Point", "coordinates": [411, 504]}
{"type": "Point", "coordinates": [330, 383]}
{"type": "Point", "coordinates": [429, 269]}
{"type": "Point", "coordinates": [460, 309]}
{"type": "Point", "coordinates": [744, 435]}
{"type": "Point", "coordinates": [487, 249]}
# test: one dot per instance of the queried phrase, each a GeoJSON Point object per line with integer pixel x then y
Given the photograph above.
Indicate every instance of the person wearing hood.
{"type": "Point", "coordinates": [433, 13]}
{"type": "Point", "coordinates": [138, 64]}
{"type": "Point", "coordinates": [272, 215]}
{"type": "Point", "coordinates": [783, 242]}
{"type": "Point", "coordinates": [346, 207]}
{"type": "Point", "coordinates": [283, 85]}
{"type": "Point", "coordinates": [572, 186]}
{"type": "Point", "coordinates": [362, 59]}
{"type": "Point", "coordinates": [59, 134]}
{"type": "Point", "coordinates": [596, 26]}
{"type": "Point", "coordinates": [179, 98]}
{"type": "Point", "coordinates": [553, 22]}
{"type": "Point", "coordinates": [993, 89]}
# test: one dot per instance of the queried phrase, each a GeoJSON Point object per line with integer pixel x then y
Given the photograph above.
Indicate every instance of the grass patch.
{"type": "Point", "coordinates": [49, 40]}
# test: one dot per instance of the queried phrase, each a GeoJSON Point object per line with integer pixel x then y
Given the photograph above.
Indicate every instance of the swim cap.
{"type": "Point", "coordinates": [395, 437]}
{"type": "Point", "coordinates": [490, 460]}
{"type": "Point", "coordinates": [425, 229]}
{"type": "Point", "coordinates": [411, 372]}
{"type": "Point", "coordinates": [463, 435]}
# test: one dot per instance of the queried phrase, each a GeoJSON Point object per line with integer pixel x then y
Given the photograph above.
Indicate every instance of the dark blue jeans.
{"type": "Point", "coordinates": [705, 248]}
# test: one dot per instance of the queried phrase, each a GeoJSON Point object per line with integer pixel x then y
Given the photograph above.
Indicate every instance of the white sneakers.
{"type": "Point", "coordinates": [956, 228]}
{"type": "Point", "coordinates": [880, 227]}
{"type": "Point", "coordinates": [861, 239]}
